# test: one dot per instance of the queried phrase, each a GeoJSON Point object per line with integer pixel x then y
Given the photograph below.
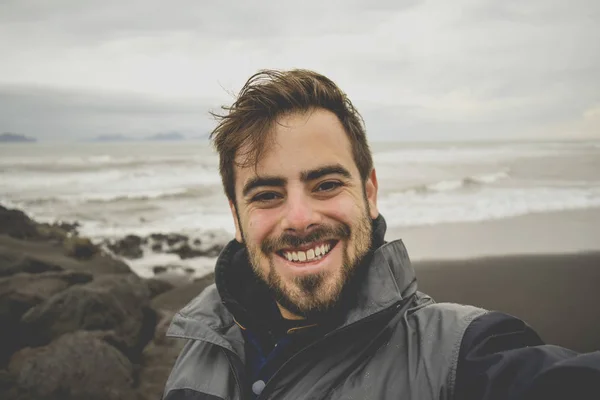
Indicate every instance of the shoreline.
{"type": "Point", "coordinates": [558, 232]}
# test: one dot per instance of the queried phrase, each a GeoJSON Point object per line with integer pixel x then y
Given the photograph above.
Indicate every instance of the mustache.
{"type": "Point", "coordinates": [321, 233]}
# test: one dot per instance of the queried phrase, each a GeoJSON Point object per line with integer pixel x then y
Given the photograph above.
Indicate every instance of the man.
{"type": "Point", "coordinates": [310, 302]}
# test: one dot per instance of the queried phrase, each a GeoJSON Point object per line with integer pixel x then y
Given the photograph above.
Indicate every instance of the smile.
{"type": "Point", "coordinates": [308, 254]}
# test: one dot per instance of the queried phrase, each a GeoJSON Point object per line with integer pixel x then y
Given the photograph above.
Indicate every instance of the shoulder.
{"type": "Point", "coordinates": [437, 330]}
{"type": "Point", "coordinates": [450, 311]}
{"type": "Point", "coordinates": [449, 319]}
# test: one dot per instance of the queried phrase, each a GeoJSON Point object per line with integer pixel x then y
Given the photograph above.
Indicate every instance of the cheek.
{"type": "Point", "coordinates": [259, 224]}
{"type": "Point", "coordinates": [345, 209]}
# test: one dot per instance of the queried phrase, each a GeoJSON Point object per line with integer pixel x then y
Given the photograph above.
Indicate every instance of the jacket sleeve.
{"type": "Point", "coordinates": [503, 358]}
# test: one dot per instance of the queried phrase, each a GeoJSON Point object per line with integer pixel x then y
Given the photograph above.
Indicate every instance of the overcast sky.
{"type": "Point", "coordinates": [417, 70]}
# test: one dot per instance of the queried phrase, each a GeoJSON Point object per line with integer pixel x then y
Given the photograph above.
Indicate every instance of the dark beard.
{"type": "Point", "coordinates": [310, 285]}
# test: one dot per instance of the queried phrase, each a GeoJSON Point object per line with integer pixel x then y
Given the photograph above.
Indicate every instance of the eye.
{"type": "Point", "coordinates": [265, 197]}
{"type": "Point", "coordinates": [328, 186]}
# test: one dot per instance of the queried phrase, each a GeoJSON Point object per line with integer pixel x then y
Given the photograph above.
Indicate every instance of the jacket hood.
{"type": "Point", "coordinates": [384, 278]}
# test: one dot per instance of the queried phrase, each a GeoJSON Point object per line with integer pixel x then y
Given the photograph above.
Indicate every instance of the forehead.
{"type": "Point", "coordinates": [300, 142]}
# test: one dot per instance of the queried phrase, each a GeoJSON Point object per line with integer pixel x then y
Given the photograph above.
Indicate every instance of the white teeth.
{"type": "Point", "coordinates": [317, 253]}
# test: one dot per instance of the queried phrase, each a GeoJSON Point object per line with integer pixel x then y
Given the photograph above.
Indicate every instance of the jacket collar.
{"type": "Point", "coordinates": [239, 297]}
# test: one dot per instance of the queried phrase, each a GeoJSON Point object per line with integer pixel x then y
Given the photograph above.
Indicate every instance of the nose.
{"type": "Point", "coordinates": [300, 215]}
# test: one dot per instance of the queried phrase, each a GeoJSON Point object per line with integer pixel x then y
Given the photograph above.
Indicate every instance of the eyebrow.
{"type": "Point", "coordinates": [305, 176]}
{"type": "Point", "coordinates": [334, 169]}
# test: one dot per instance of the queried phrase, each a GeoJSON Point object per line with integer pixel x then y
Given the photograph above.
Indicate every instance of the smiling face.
{"type": "Point", "coordinates": [304, 213]}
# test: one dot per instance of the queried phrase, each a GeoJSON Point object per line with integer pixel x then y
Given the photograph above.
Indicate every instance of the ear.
{"type": "Point", "coordinates": [236, 221]}
{"type": "Point", "coordinates": [371, 188]}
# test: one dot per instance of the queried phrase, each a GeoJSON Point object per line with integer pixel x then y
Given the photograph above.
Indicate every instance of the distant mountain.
{"type": "Point", "coordinates": [206, 136]}
{"type": "Point", "coordinates": [112, 138]}
{"type": "Point", "coordinates": [171, 136]}
{"type": "Point", "coordinates": [8, 137]}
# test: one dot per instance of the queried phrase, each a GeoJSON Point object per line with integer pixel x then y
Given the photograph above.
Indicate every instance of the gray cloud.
{"type": "Point", "coordinates": [79, 21]}
{"type": "Point", "coordinates": [417, 70]}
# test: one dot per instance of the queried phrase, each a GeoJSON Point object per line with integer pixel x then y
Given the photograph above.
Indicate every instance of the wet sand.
{"type": "Point", "coordinates": [558, 295]}
{"type": "Point", "coordinates": [543, 268]}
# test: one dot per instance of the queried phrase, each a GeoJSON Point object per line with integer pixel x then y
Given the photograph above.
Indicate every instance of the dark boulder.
{"type": "Point", "coordinates": [17, 224]}
{"type": "Point", "coordinates": [128, 247]}
{"type": "Point", "coordinates": [78, 365]}
{"type": "Point", "coordinates": [80, 248]}
{"type": "Point", "coordinates": [114, 303]}
{"type": "Point", "coordinates": [21, 292]}
{"type": "Point", "coordinates": [186, 251]}
{"type": "Point", "coordinates": [158, 237]}
{"type": "Point", "coordinates": [160, 269]}
{"type": "Point", "coordinates": [173, 239]}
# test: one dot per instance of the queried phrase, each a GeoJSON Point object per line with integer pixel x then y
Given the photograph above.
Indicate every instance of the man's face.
{"type": "Point", "coordinates": [304, 214]}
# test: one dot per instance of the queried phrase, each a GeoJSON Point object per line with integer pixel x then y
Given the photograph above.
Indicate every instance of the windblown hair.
{"type": "Point", "coordinates": [268, 95]}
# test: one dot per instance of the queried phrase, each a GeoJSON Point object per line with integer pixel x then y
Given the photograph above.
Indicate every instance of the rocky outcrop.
{"type": "Point", "coordinates": [128, 247]}
{"type": "Point", "coordinates": [133, 246]}
{"type": "Point", "coordinates": [80, 248]}
{"type": "Point", "coordinates": [76, 323]}
{"type": "Point", "coordinates": [20, 293]}
{"type": "Point", "coordinates": [113, 304]}
{"type": "Point", "coordinates": [16, 224]}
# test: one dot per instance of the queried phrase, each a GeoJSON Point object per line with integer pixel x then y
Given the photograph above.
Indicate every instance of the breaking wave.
{"type": "Point", "coordinates": [459, 184]}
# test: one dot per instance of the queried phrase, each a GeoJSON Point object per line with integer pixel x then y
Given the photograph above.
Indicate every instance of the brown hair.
{"type": "Point", "coordinates": [265, 97]}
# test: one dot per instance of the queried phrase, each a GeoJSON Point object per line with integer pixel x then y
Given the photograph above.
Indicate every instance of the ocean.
{"type": "Point", "coordinates": [121, 188]}
{"type": "Point", "coordinates": [115, 189]}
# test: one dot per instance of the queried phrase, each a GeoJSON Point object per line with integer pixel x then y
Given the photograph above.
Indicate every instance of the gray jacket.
{"type": "Point", "coordinates": [396, 343]}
